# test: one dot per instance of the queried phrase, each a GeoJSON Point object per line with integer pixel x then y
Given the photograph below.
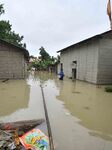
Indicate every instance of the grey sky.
{"type": "Point", "coordinates": [55, 24]}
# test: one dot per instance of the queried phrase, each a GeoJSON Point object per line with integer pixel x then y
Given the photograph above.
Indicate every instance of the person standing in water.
{"type": "Point", "coordinates": [61, 74]}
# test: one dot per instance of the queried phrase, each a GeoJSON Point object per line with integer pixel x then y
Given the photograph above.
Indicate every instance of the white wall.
{"type": "Point", "coordinates": [86, 55]}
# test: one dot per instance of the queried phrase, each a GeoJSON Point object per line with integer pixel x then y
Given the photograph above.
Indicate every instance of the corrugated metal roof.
{"type": "Point", "coordinates": [105, 34]}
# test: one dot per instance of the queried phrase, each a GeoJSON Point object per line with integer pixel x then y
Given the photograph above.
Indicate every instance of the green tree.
{"type": "Point", "coordinates": [7, 34]}
{"type": "Point", "coordinates": [1, 9]}
{"type": "Point", "coordinates": [44, 61]}
{"type": "Point", "coordinates": [44, 55]}
{"type": "Point", "coordinates": [5, 29]}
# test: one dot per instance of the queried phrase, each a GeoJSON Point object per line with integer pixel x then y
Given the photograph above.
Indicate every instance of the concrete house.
{"type": "Point", "coordinates": [89, 60]}
{"type": "Point", "coordinates": [13, 61]}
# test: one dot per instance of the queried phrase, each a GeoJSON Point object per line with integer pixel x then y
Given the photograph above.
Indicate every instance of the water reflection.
{"type": "Point", "coordinates": [90, 104]}
{"type": "Point", "coordinates": [84, 121]}
{"type": "Point", "coordinates": [44, 76]}
{"type": "Point", "coordinates": [87, 102]}
{"type": "Point", "coordinates": [80, 113]}
{"type": "Point", "coordinates": [14, 94]}
{"type": "Point", "coordinates": [21, 100]}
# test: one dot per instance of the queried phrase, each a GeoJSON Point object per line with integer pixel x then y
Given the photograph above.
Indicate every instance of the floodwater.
{"type": "Point", "coordinates": [21, 100]}
{"type": "Point", "coordinates": [80, 113]}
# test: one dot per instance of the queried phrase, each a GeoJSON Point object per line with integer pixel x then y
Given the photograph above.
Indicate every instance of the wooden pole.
{"type": "Point", "coordinates": [111, 24]}
{"type": "Point", "coordinates": [109, 13]}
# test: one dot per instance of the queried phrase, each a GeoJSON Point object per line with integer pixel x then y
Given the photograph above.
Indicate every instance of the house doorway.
{"type": "Point", "coordinates": [74, 73]}
{"type": "Point", "coordinates": [74, 70]}
{"type": "Point", "coordinates": [61, 67]}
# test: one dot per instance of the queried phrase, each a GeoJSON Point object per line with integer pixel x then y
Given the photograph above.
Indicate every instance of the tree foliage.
{"type": "Point", "coordinates": [1, 9]}
{"type": "Point", "coordinates": [7, 34]}
{"type": "Point", "coordinates": [44, 61]}
{"type": "Point", "coordinates": [44, 55]}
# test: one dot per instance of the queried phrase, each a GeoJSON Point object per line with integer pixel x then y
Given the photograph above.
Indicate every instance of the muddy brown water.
{"type": "Point", "coordinates": [80, 113]}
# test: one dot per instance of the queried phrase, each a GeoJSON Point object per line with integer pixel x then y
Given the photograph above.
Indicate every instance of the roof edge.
{"type": "Point", "coordinates": [26, 53]}
{"type": "Point", "coordinates": [80, 42]}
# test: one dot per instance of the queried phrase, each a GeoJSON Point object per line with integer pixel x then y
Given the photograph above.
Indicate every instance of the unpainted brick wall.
{"type": "Point", "coordinates": [11, 62]}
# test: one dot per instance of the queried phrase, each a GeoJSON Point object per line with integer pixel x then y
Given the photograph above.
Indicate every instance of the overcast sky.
{"type": "Point", "coordinates": [56, 24]}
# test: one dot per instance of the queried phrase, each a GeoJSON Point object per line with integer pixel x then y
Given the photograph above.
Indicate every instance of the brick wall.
{"type": "Point", "coordinates": [12, 62]}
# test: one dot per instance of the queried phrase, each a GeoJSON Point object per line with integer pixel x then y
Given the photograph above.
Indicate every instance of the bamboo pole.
{"type": "Point", "coordinates": [47, 121]}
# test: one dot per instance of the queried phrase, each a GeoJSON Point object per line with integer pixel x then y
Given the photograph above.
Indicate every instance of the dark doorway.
{"type": "Point", "coordinates": [74, 72]}
{"type": "Point", "coordinates": [61, 66]}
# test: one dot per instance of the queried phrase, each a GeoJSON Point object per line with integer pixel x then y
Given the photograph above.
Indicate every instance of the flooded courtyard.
{"type": "Point", "coordinates": [80, 113]}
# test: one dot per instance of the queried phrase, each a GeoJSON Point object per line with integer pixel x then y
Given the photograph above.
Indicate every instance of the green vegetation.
{"type": "Point", "coordinates": [108, 89]}
{"type": "Point", "coordinates": [44, 55]}
{"type": "Point", "coordinates": [1, 9]}
{"type": "Point", "coordinates": [44, 61]}
{"type": "Point", "coordinates": [7, 34]}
